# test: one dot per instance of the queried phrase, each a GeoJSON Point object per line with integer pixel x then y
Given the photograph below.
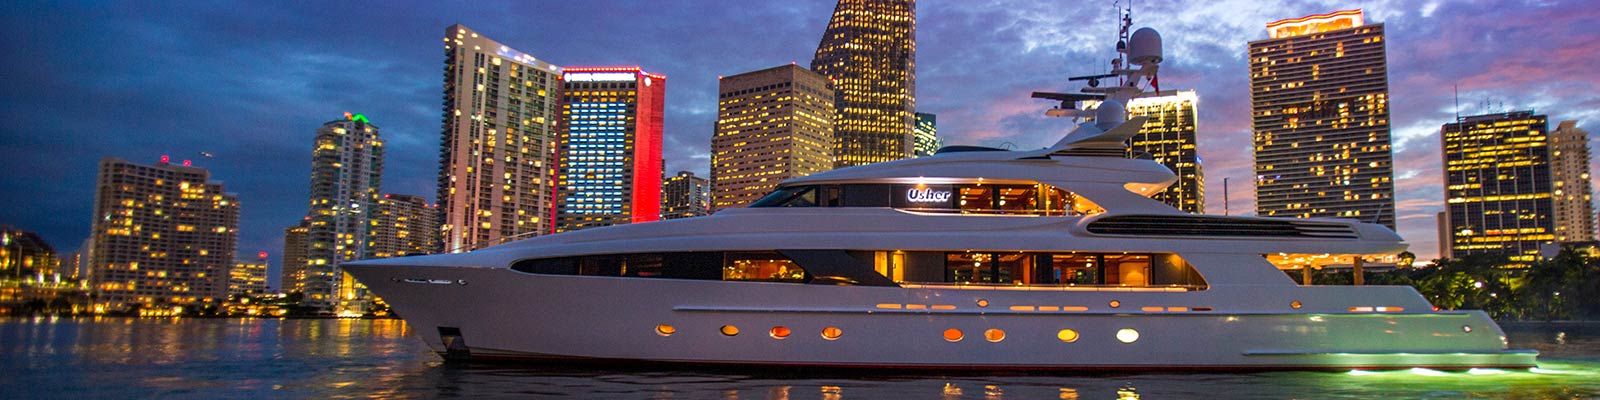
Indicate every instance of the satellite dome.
{"type": "Point", "coordinates": [1110, 114]}
{"type": "Point", "coordinates": [1144, 47]}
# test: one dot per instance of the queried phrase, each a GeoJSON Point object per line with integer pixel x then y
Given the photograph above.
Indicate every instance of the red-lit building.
{"type": "Point", "coordinates": [608, 169]}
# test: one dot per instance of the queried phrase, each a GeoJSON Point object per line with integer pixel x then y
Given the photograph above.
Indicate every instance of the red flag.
{"type": "Point", "coordinates": [1155, 83]}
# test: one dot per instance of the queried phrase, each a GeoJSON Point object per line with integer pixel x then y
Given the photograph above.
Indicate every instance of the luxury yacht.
{"type": "Point", "coordinates": [971, 259]}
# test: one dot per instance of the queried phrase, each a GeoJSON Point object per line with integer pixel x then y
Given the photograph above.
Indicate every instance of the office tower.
{"type": "Point", "coordinates": [773, 124]}
{"type": "Point", "coordinates": [609, 168]}
{"type": "Point", "coordinates": [404, 226]}
{"type": "Point", "coordinates": [1319, 92]}
{"type": "Point", "coordinates": [685, 195]}
{"type": "Point", "coordinates": [869, 50]}
{"type": "Point", "coordinates": [24, 256]}
{"type": "Point", "coordinates": [163, 236]}
{"type": "Point", "coordinates": [1574, 206]}
{"type": "Point", "coordinates": [1168, 137]}
{"type": "Point", "coordinates": [346, 172]}
{"type": "Point", "coordinates": [1498, 185]}
{"type": "Point", "coordinates": [249, 277]}
{"type": "Point", "coordinates": [497, 151]}
{"type": "Point", "coordinates": [1441, 223]}
{"type": "Point", "coordinates": [296, 256]}
{"type": "Point", "coordinates": [927, 136]}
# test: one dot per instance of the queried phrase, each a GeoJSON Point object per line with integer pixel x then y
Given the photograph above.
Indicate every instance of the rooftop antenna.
{"type": "Point", "coordinates": [1458, 102]}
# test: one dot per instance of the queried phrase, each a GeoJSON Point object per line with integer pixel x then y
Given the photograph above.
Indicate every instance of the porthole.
{"type": "Point", "coordinates": [994, 335]}
{"type": "Point", "coordinates": [831, 333]}
{"type": "Point", "coordinates": [1067, 335]}
{"type": "Point", "coordinates": [1115, 304]}
{"type": "Point", "coordinates": [1466, 328]}
{"type": "Point", "coordinates": [1127, 335]}
{"type": "Point", "coordinates": [730, 330]}
{"type": "Point", "coordinates": [953, 335]}
{"type": "Point", "coordinates": [983, 302]}
{"type": "Point", "coordinates": [1294, 305]}
{"type": "Point", "coordinates": [665, 330]}
{"type": "Point", "coordinates": [779, 332]}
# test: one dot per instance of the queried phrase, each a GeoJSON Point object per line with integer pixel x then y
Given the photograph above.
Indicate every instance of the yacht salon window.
{"type": "Point", "coordinates": [1038, 268]}
{"type": "Point", "coordinates": [975, 198]}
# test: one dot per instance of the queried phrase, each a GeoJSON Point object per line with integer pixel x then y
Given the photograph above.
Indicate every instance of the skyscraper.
{"type": "Point", "coordinates": [497, 150]}
{"type": "Point", "coordinates": [1498, 190]}
{"type": "Point", "coordinates": [685, 195]}
{"type": "Point", "coordinates": [404, 226]}
{"type": "Point", "coordinates": [249, 277]}
{"type": "Point", "coordinates": [1574, 203]}
{"type": "Point", "coordinates": [296, 256]}
{"type": "Point", "coordinates": [163, 236]}
{"type": "Point", "coordinates": [927, 137]}
{"type": "Point", "coordinates": [869, 50]}
{"type": "Point", "coordinates": [24, 256]}
{"type": "Point", "coordinates": [772, 124]}
{"type": "Point", "coordinates": [346, 175]}
{"type": "Point", "coordinates": [609, 163]}
{"type": "Point", "coordinates": [1168, 137]}
{"type": "Point", "coordinates": [1319, 92]}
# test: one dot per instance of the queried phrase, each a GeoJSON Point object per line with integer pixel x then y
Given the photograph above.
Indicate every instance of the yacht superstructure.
{"type": "Point", "coordinates": [974, 258]}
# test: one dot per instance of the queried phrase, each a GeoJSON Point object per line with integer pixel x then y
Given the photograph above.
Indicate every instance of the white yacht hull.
{"type": "Point", "coordinates": [500, 313]}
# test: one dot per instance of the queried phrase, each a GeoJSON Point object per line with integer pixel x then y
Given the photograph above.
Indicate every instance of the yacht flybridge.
{"type": "Point", "coordinates": [974, 258]}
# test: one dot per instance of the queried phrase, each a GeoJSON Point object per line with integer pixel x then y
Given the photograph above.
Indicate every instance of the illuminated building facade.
{"type": "Point", "coordinates": [609, 165]}
{"type": "Point", "coordinates": [1498, 189]}
{"type": "Point", "coordinates": [497, 150]}
{"type": "Point", "coordinates": [296, 245]}
{"type": "Point", "coordinates": [25, 256]}
{"type": "Point", "coordinates": [346, 173]}
{"type": "Point", "coordinates": [1319, 92]}
{"type": "Point", "coordinates": [685, 195]}
{"type": "Point", "coordinates": [1574, 203]}
{"type": "Point", "coordinates": [773, 124]}
{"type": "Point", "coordinates": [1168, 137]}
{"type": "Point", "coordinates": [163, 235]}
{"type": "Point", "coordinates": [927, 135]}
{"type": "Point", "coordinates": [869, 51]}
{"type": "Point", "coordinates": [249, 277]}
{"type": "Point", "coordinates": [404, 225]}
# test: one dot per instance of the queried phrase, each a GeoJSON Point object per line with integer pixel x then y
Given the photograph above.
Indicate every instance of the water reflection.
{"type": "Point", "coordinates": [122, 358]}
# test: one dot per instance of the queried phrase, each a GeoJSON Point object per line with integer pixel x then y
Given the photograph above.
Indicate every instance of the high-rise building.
{"type": "Point", "coordinates": [1319, 92]}
{"type": "Point", "coordinates": [346, 174]}
{"type": "Point", "coordinates": [1574, 203]}
{"type": "Point", "coordinates": [685, 195]}
{"type": "Point", "coordinates": [927, 136]}
{"type": "Point", "coordinates": [404, 225]}
{"type": "Point", "coordinates": [609, 163]}
{"type": "Point", "coordinates": [497, 151]}
{"type": "Point", "coordinates": [869, 50]}
{"type": "Point", "coordinates": [1498, 191]}
{"type": "Point", "coordinates": [1168, 137]}
{"type": "Point", "coordinates": [773, 124]}
{"type": "Point", "coordinates": [163, 235]}
{"type": "Point", "coordinates": [296, 257]}
{"type": "Point", "coordinates": [249, 277]}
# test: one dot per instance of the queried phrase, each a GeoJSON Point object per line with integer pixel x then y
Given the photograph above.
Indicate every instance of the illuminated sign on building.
{"type": "Point", "coordinates": [600, 77]}
{"type": "Point", "coordinates": [1315, 23]}
{"type": "Point", "coordinates": [926, 195]}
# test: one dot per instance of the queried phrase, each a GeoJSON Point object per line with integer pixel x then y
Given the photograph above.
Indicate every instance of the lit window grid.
{"type": "Point", "coordinates": [1499, 196]}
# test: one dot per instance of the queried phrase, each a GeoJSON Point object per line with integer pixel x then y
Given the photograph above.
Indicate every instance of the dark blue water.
{"type": "Point", "coordinates": [268, 358]}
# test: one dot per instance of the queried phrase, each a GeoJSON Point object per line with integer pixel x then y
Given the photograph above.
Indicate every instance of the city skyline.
{"type": "Point", "coordinates": [139, 114]}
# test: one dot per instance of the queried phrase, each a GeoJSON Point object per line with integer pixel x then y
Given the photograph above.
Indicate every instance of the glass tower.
{"type": "Point", "coordinates": [609, 167]}
{"type": "Point", "coordinates": [1168, 137]}
{"type": "Point", "coordinates": [1498, 191]}
{"type": "Point", "coordinates": [869, 51]}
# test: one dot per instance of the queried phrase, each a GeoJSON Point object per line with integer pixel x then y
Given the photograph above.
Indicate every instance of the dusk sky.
{"type": "Point", "coordinates": [250, 82]}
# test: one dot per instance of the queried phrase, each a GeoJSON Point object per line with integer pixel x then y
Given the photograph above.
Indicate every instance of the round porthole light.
{"type": "Point", "coordinates": [665, 330]}
{"type": "Point", "coordinates": [1466, 328]}
{"type": "Point", "coordinates": [953, 335]}
{"type": "Point", "coordinates": [1127, 335]}
{"type": "Point", "coordinates": [1115, 304]}
{"type": "Point", "coordinates": [730, 330]}
{"type": "Point", "coordinates": [779, 332]}
{"type": "Point", "coordinates": [831, 333]}
{"type": "Point", "coordinates": [1067, 335]}
{"type": "Point", "coordinates": [983, 302]}
{"type": "Point", "coordinates": [994, 335]}
{"type": "Point", "coordinates": [1294, 305]}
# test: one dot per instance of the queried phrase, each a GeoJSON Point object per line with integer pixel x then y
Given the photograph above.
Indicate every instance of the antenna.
{"type": "Point", "coordinates": [1458, 102]}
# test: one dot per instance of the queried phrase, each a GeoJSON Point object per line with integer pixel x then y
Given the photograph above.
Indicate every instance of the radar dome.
{"type": "Point", "coordinates": [1110, 114]}
{"type": "Point", "coordinates": [1144, 47]}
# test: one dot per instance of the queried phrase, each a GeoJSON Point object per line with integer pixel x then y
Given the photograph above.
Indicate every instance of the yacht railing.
{"type": "Point", "coordinates": [1055, 288]}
